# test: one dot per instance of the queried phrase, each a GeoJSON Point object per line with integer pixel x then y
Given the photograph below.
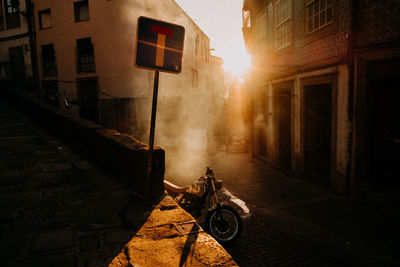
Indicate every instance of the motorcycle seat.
{"type": "Point", "coordinates": [174, 188]}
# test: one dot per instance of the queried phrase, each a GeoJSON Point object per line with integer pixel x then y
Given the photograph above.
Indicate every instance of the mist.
{"type": "Point", "coordinates": [187, 102]}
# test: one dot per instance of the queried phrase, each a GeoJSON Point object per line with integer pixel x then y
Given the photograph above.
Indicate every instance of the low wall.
{"type": "Point", "coordinates": [124, 157]}
{"type": "Point", "coordinates": [170, 237]}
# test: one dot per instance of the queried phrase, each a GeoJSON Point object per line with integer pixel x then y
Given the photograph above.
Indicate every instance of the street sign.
{"type": "Point", "coordinates": [159, 45]}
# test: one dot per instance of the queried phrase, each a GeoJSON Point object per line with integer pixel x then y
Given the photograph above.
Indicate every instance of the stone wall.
{"type": "Point", "coordinates": [123, 156]}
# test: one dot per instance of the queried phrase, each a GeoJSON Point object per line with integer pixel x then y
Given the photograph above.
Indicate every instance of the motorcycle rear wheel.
{"type": "Point", "coordinates": [224, 224]}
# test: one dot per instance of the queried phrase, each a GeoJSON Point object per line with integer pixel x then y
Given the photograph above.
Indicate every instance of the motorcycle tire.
{"type": "Point", "coordinates": [224, 224]}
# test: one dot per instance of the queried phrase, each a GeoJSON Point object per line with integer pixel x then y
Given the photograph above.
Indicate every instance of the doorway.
{"type": "Point", "coordinates": [51, 95]}
{"type": "Point", "coordinates": [317, 132]}
{"type": "Point", "coordinates": [384, 134]}
{"type": "Point", "coordinates": [284, 127]}
{"type": "Point", "coordinates": [263, 124]}
{"type": "Point", "coordinates": [17, 62]}
{"type": "Point", "coordinates": [88, 98]}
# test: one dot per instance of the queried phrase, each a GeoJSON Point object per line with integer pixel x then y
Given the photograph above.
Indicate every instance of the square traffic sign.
{"type": "Point", "coordinates": [159, 45]}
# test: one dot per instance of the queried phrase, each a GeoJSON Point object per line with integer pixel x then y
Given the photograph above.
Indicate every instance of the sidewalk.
{"type": "Point", "coordinates": [57, 209]}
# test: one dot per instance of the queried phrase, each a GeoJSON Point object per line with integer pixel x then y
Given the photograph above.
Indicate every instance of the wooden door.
{"type": "Point", "coordinates": [317, 132]}
{"type": "Point", "coordinates": [88, 99]}
{"type": "Point", "coordinates": [284, 128]}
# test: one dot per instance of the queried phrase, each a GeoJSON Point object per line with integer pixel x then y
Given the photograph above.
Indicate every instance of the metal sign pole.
{"type": "Point", "coordinates": [152, 129]}
{"type": "Point", "coordinates": [154, 110]}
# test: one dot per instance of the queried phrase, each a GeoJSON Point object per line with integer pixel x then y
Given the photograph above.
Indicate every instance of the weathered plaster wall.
{"type": "Point", "coordinates": [112, 27]}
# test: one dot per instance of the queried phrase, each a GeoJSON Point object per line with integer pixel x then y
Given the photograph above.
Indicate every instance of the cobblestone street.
{"type": "Point", "coordinates": [56, 209]}
{"type": "Point", "coordinates": [292, 222]}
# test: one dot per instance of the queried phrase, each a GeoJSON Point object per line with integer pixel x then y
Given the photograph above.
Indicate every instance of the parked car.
{"type": "Point", "coordinates": [236, 144]}
{"type": "Point", "coordinates": [220, 140]}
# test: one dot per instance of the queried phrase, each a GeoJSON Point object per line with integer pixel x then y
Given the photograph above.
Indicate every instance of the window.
{"type": "Point", "coordinates": [81, 9]}
{"type": "Point", "coordinates": [2, 28]}
{"type": "Point", "coordinates": [85, 55]}
{"type": "Point", "coordinates": [261, 27]}
{"type": "Point", "coordinates": [319, 14]}
{"type": "Point", "coordinates": [45, 19]}
{"type": "Point", "coordinates": [283, 29]}
{"type": "Point", "coordinates": [246, 21]}
{"type": "Point", "coordinates": [12, 14]}
{"type": "Point", "coordinates": [246, 18]}
{"type": "Point", "coordinates": [49, 63]}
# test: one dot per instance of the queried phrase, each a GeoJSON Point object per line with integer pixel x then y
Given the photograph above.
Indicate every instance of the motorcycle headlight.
{"type": "Point", "coordinates": [198, 188]}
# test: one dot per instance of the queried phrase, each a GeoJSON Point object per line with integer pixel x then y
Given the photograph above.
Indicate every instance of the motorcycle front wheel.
{"type": "Point", "coordinates": [224, 224]}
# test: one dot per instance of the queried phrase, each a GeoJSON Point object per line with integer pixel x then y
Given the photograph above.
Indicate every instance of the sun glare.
{"type": "Point", "coordinates": [222, 22]}
{"type": "Point", "coordinates": [234, 55]}
{"type": "Point", "coordinates": [236, 63]}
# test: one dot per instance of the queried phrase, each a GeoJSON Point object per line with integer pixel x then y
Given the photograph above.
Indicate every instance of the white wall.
{"type": "Point", "coordinates": [112, 28]}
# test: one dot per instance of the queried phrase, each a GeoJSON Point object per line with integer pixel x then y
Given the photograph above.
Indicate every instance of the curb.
{"type": "Point", "coordinates": [171, 237]}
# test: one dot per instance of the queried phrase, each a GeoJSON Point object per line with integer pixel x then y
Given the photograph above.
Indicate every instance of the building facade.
{"type": "Point", "coordinates": [17, 57]}
{"type": "Point", "coordinates": [376, 124]}
{"type": "Point", "coordinates": [304, 80]}
{"type": "Point", "coordinates": [86, 50]}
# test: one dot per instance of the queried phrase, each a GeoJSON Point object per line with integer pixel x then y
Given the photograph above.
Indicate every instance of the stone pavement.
{"type": "Point", "coordinates": [293, 222]}
{"type": "Point", "coordinates": [57, 209]}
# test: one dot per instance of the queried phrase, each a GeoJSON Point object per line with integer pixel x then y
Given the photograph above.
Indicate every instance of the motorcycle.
{"type": "Point", "coordinates": [221, 221]}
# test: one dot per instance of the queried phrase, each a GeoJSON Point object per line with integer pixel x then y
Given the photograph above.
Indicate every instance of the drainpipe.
{"type": "Point", "coordinates": [351, 180]}
{"type": "Point", "coordinates": [30, 18]}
